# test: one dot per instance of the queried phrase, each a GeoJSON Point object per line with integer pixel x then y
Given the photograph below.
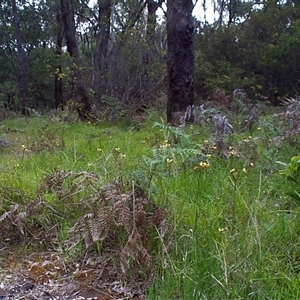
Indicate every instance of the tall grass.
{"type": "Point", "coordinates": [233, 233]}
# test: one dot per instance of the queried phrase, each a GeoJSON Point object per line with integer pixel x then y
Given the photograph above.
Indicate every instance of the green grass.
{"type": "Point", "coordinates": [233, 232]}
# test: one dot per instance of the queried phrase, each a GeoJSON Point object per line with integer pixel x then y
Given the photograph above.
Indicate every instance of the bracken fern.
{"type": "Point", "coordinates": [121, 222]}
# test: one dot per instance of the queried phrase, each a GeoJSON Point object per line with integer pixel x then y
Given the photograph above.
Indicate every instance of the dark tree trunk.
{"type": "Point", "coordinates": [84, 107]}
{"type": "Point", "coordinates": [231, 11]}
{"type": "Point", "coordinates": [146, 82]}
{"type": "Point", "coordinates": [180, 35]}
{"type": "Point", "coordinates": [58, 87]}
{"type": "Point", "coordinates": [101, 52]}
{"type": "Point", "coordinates": [152, 7]}
{"type": "Point", "coordinates": [21, 59]}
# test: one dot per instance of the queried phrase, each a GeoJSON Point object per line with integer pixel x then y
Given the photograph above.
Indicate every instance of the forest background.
{"type": "Point", "coordinates": [123, 51]}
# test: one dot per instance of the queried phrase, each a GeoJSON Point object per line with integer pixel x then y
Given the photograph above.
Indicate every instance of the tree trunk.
{"type": "Point", "coordinates": [21, 59]}
{"type": "Point", "coordinates": [84, 107]}
{"type": "Point", "coordinates": [180, 66]}
{"type": "Point", "coordinates": [101, 52]}
{"type": "Point", "coordinates": [58, 90]}
{"type": "Point", "coordinates": [146, 82]}
{"type": "Point", "coordinates": [152, 7]}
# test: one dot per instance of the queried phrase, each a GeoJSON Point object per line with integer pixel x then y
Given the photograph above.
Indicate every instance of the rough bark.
{"type": "Point", "coordinates": [58, 89]}
{"type": "Point", "coordinates": [152, 7]}
{"type": "Point", "coordinates": [84, 107]}
{"type": "Point", "coordinates": [22, 81]}
{"type": "Point", "coordinates": [180, 66]}
{"type": "Point", "coordinates": [146, 80]}
{"type": "Point", "coordinates": [101, 52]}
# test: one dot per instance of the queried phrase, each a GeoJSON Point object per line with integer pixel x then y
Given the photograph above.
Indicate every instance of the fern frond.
{"type": "Point", "coordinates": [123, 222]}
{"type": "Point", "coordinates": [123, 214]}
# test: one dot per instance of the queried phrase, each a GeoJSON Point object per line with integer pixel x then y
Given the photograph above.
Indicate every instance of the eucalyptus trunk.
{"type": "Point", "coordinates": [84, 105]}
{"type": "Point", "coordinates": [147, 84]}
{"type": "Point", "coordinates": [22, 81]}
{"type": "Point", "coordinates": [58, 86]}
{"type": "Point", "coordinates": [180, 66]}
{"type": "Point", "coordinates": [101, 52]}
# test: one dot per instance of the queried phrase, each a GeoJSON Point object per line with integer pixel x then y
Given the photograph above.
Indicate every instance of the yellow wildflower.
{"type": "Point", "coordinates": [233, 172]}
{"type": "Point", "coordinates": [233, 152]}
{"type": "Point", "coordinates": [166, 144]}
{"type": "Point", "coordinates": [204, 165]}
{"type": "Point", "coordinates": [223, 230]}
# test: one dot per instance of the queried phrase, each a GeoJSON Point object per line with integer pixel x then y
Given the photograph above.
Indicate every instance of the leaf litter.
{"type": "Point", "coordinates": [45, 276]}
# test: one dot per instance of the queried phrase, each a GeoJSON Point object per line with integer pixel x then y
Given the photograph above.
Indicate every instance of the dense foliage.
{"type": "Point", "coordinates": [123, 51]}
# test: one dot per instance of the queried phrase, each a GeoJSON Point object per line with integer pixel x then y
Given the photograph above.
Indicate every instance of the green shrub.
{"type": "Point", "coordinates": [292, 174]}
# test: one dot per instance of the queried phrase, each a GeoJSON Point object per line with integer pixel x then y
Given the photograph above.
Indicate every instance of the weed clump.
{"type": "Point", "coordinates": [76, 208]}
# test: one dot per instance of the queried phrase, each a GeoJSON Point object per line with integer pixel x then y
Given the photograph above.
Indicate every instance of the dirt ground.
{"type": "Point", "coordinates": [47, 276]}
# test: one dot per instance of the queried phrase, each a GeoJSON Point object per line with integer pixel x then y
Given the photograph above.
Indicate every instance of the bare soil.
{"type": "Point", "coordinates": [46, 275]}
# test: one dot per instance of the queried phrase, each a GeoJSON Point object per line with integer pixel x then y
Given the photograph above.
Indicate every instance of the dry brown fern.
{"type": "Point", "coordinates": [61, 197]}
{"type": "Point", "coordinates": [220, 98]}
{"type": "Point", "coordinates": [122, 223]}
{"type": "Point", "coordinates": [113, 218]}
{"type": "Point", "coordinates": [16, 222]}
{"type": "Point", "coordinates": [66, 184]}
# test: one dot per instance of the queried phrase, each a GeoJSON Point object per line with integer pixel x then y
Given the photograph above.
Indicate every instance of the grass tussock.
{"type": "Point", "coordinates": [206, 213]}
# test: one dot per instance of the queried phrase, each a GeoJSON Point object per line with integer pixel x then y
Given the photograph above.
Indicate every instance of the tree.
{"type": "Point", "coordinates": [102, 41]}
{"type": "Point", "coordinates": [180, 65]}
{"type": "Point", "coordinates": [147, 80]}
{"type": "Point", "coordinates": [21, 59]}
{"type": "Point", "coordinates": [67, 14]}
{"type": "Point", "coordinates": [58, 88]}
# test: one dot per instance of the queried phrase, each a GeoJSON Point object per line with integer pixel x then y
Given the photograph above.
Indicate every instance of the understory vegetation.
{"type": "Point", "coordinates": [238, 45]}
{"type": "Point", "coordinates": [193, 212]}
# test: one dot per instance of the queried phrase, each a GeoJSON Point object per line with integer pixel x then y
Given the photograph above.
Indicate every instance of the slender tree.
{"type": "Point", "coordinates": [102, 41]}
{"type": "Point", "coordinates": [147, 84]}
{"type": "Point", "coordinates": [21, 59]}
{"type": "Point", "coordinates": [58, 87]}
{"type": "Point", "coordinates": [180, 35]}
{"type": "Point", "coordinates": [67, 14]}
{"type": "Point", "coordinates": [152, 7]}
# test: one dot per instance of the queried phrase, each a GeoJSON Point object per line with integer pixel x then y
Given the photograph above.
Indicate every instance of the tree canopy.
{"type": "Point", "coordinates": [122, 52]}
